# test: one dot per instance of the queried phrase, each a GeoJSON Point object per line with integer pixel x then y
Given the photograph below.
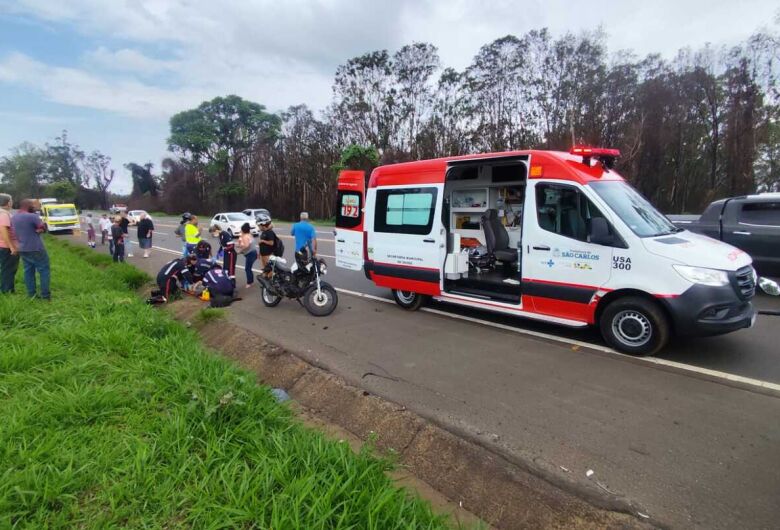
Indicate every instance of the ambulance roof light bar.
{"type": "Point", "coordinates": [605, 156]}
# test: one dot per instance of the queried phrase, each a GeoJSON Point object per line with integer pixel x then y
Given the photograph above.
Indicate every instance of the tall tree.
{"type": "Point", "coordinates": [98, 174]}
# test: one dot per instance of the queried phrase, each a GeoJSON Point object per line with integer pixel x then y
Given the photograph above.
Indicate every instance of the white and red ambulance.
{"type": "Point", "coordinates": [553, 236]}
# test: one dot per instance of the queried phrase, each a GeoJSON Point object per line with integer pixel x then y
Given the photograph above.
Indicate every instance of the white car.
{"type": "Point", "coordinates": [231, 222]}
{"type": "Point", "coordinates": [135, 215]}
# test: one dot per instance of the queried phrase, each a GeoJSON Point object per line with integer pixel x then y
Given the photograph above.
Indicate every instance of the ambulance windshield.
{"type": "Point", "coordinates": [640, 216]}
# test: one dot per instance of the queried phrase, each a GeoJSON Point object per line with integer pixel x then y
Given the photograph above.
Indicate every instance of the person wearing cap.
{"type": "Point", "coordinates": [267, 239]}
{"type": "Point", "coordinates": [185, 218]}
{"type": "Point", "coordinates": [305, 235]}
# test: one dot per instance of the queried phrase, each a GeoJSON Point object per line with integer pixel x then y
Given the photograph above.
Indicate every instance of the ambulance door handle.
{"type": "Point", "coordinates": [429, 241]}
{"type": "Point", "coordinates": [340, 241]}
{"type": "Point", "coordinates": [543, 247]}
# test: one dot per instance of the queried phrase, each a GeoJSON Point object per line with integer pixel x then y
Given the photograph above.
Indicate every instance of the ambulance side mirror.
{"type": "Point", "coordinates": [599, 232]}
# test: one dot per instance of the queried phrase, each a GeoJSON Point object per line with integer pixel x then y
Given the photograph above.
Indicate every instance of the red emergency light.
{"type": "Point", "coordinates": [605, 156]}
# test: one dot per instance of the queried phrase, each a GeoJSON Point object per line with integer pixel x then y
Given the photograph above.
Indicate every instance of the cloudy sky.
{"type": "Point", "coordinates": [112, 72]}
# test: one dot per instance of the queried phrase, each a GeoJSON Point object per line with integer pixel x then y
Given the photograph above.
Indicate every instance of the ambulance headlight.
{"type": "Point", "coordinates": [703, 276]}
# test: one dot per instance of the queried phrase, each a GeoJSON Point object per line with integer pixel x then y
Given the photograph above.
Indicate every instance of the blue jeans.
{"type": "Point", "coordinates": [32, 262]}
{"type": "Point", "coordinates": [250, 260]}
{"type": "Point", "coordinates": [8, 266]}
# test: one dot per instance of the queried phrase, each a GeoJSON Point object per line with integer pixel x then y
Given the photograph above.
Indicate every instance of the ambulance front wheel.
{"type": "Point", "coordinates": [635, 326]}
{"type": "Point", "coordinates": [408, 300]}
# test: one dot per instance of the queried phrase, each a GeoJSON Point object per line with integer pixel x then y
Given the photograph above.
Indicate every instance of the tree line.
{"type": "Point", "coordinates": [702, 125]}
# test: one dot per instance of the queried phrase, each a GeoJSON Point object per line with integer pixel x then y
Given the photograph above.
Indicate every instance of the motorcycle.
{"type": "Point", "coordinates": [301, 282]}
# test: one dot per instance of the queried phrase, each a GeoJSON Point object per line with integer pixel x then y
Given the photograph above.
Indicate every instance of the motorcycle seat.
{"type": "Point", "coordinates": [281, 267]}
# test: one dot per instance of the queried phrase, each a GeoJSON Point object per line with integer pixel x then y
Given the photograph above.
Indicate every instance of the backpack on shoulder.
{"type": "Point", "coordinates": [278, 247]}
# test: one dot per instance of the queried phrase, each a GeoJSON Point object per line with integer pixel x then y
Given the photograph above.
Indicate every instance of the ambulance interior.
{"type": "Point", "coordinates": [483, 215]}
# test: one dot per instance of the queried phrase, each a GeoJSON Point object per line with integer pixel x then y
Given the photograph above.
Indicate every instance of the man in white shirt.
{"type": "Point", "coordinates": [105, 227]}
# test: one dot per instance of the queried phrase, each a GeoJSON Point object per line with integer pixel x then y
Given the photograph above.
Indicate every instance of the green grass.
{"type": "Point", "coordinates": [210, 314]}
{"type": "Point", "coordinates": [113, 415]}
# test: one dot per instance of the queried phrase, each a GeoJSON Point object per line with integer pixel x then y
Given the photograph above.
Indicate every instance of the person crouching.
{"type": "Point", "coordinates": [176, 275]}
{"type": "Point", "coordinates": [220, 287]}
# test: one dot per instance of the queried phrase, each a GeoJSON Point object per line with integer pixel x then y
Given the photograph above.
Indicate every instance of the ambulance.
{"type": "Point", "coordinates": [552, 236]}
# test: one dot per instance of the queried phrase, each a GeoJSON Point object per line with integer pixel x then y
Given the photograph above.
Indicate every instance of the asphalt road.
{"type": "Point", "coordinates": [752, 353]}
{"type": "Point", "coordinates": [691, 450]}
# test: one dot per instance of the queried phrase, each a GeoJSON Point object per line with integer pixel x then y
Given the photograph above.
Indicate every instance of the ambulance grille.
{"type": "Point", "coordinates": [745, 283]}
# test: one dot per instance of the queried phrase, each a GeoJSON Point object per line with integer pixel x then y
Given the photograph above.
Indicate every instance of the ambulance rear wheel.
{"type": "Point", "coordinates": [408, 300]}
{"type": "Point", "coordinates": [635, 326]}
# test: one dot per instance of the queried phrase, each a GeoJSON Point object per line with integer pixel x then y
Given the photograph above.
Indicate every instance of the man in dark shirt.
{"type": "Point", "coordinates": [229, 254]}
{"type": "Point", "coordinates": [125, 224]}
{"type": "Point", "coordinates": [27, 227]}
{"type": "Point", "coordinates": [173, 274]}
{"type": "Point", "coordinates": [145, 231]}
{"type": "Point", "coordinates": [118, 237]}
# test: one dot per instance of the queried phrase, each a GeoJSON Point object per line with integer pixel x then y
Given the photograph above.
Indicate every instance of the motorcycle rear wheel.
{"type": "Point", "coordinates": [269, 299]}
{"type": "Point", "coordinates": [325, 304]}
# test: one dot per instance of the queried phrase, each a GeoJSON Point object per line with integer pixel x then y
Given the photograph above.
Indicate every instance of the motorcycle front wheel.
{"type": "Point", "coordinates": [269, 299]}
{"type": "Point", "coordinates": [323, 304]}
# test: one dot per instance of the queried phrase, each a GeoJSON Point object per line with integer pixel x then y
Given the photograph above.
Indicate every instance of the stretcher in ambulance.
{"type": "Point", "coordinates": [552, 236]}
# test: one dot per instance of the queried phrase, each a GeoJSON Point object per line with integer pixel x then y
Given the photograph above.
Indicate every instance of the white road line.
{"type": "Point", "coordinates": [572, 342]}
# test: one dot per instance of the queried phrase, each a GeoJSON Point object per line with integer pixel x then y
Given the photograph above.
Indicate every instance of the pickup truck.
{"type": "Point", "coordinates": [750, 223]}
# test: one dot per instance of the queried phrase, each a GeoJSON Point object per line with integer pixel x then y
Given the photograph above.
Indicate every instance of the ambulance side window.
{"type": "Point", "coordinates": [405, 211]}
{"type": "Point", "coordinates": [564, 210]}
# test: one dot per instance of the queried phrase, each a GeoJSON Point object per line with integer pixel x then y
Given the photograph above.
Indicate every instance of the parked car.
{"type": "Point", "coordinates": [254, 213]}
{"type": "Point", "coordinates": [232, 222]}
{"type": "Point", "coordinates": [117, 208]}
{"type": "Point", "coordinates": [135, 215]}
{"type": "Point", "coordinates": [751, 223]}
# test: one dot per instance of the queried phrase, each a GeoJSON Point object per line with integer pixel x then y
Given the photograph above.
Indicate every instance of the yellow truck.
{"type": "Point", "coordinates": [60, 217]}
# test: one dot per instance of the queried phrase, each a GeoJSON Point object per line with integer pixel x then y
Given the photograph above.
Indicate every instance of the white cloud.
{"type": "Point", "coordinates": [129, 60]}
{"type": "Point", "coordinates": [79, 88]}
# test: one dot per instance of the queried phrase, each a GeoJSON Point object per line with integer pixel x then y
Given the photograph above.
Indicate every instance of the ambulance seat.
{"type": "Point", "coordinates": [496, 238]}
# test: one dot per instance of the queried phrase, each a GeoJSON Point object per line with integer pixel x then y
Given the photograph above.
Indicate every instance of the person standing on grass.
{"type": "Point", "coordinates": [125, 225]}
{"type": "Point", "coordinates": [248, 247]}
{"type": "Point", "coordinates": [9, 252]}
{"type": "Point", "coordinates": [305, 235]}
{"type": "Point", "coordinates": [118, 237]}
{"type": "Point", "coordinates": [191, 234]}
{"type": "Point", "coordinates": [105, 228]}
{"type": "Point", "coordinates": [145, 231]}
{"type": "Point", "coordinates": [90, 230]}
{"type": "Point", "coordinates": [27, 226]}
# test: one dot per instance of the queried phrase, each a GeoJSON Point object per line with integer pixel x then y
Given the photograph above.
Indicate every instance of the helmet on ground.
{"type": "Point", "coordinates": [263, 219]}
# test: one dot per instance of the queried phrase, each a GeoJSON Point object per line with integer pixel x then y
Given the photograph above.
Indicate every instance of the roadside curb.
{"type": "Point", "coordinates": [501, 489]}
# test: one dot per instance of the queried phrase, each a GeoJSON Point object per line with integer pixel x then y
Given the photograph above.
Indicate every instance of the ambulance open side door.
{"type": "Point", "coordinates": [349, 219]}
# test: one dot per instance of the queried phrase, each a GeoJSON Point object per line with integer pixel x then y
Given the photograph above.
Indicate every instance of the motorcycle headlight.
{"type": "Point", "coordinates": [703, 276]}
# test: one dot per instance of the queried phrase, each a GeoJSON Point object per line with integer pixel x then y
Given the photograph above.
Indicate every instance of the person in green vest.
{"type": "Point", "coordinates": [192, 234]}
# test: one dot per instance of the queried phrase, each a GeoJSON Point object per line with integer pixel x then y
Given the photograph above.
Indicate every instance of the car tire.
{"type": "Point", "coordinates": [635, 326]}
{"type": "Point", "coordinates": [409, 300]}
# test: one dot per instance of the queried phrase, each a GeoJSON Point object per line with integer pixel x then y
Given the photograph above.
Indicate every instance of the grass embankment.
{"type": "Point", "coordinates": [112, 414]}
